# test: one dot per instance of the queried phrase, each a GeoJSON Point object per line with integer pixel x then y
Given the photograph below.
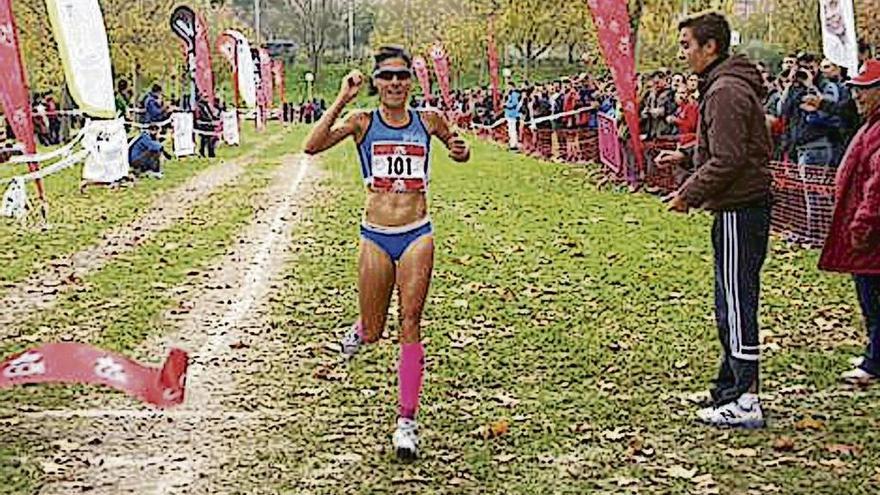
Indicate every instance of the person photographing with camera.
{"type": "Point", "coordinates": [807, 103]}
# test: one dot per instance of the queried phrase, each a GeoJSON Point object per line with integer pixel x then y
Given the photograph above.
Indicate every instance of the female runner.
{"type": "Point", "coordinates": [397, 242]}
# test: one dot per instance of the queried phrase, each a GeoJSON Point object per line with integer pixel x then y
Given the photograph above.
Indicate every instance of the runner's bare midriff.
{"type": "Point", "coordinates": [390, 209]}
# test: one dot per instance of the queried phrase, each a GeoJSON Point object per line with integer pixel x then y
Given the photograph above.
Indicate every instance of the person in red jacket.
{"type": "Point", "coordinates": [853, 242]}
{"type": "Point", "coordinates": [685, 117]}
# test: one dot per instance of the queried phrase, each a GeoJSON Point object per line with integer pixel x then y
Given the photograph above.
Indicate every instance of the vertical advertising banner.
{"type": "Point", "coordinates": [839, 42]}
{"type": "Point", "coordinates": [611, 18]}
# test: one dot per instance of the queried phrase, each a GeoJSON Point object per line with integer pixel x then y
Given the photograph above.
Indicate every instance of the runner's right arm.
{"type": "Point", "coordinates": [327, 132]}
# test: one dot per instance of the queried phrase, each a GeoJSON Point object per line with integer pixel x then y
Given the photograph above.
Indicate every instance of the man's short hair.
{"type": "Point", "coordinates": [156, 88]}
{"type": "Point", "coordinates": [707, 26]}
{"type": "Point", "coordinates": [806, 57]}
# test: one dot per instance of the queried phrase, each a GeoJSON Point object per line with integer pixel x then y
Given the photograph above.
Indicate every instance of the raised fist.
{"type": "Point", "coordinates": [351, 85]}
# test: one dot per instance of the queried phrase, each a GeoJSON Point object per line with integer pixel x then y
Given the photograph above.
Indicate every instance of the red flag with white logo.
{"type": "Point", "coordinates": [612, 21]}
{"type": "Point", "coordinates": [13, 85]}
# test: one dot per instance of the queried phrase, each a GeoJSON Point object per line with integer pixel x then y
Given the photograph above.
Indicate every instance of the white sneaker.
{"type": "Point", "coordinates": [352, 341]}
{"type": "Point", "coordinates": [858, 375]}
{"type": "Point", "coordinates": [406, 439]}
{"type": "Point", "coordinates": [745, 412]}
{"type": "Point", "coordinates": [856, 361]}
{"type": "Point", "coordinates": [154, 175]}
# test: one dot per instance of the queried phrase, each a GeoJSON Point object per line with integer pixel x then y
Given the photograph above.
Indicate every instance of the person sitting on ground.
{"type": "Point", "coordinates": [146, 152]}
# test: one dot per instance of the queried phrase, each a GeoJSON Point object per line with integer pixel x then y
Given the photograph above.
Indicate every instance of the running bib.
{"type": "Point", "coordinates": [399, 167]}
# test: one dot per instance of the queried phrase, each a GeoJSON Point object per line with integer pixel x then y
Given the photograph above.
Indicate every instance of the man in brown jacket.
{"type": "Point", "coordinates": [731, 179]}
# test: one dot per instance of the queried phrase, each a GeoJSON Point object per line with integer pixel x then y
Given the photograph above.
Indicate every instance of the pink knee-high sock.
{"type": "Point", "coordinates": [409, 376]}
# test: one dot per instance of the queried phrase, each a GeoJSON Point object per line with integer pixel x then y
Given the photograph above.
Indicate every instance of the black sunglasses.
{"type": "Point", "coordinates": [389, 74]}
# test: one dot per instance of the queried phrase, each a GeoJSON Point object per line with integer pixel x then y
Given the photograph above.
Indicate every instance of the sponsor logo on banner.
{"type": "Point", "coordinates": [230, 128]}
{"type": "Point", "coordinates": [107, 144]}
{"type": "Point", "coordinates": [28, 364]}
{"type": "Point", "coordinates": [184, 143]}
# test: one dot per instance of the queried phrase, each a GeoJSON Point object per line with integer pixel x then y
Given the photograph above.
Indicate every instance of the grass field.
{"type": "Point", "coordinates": [567, 327]}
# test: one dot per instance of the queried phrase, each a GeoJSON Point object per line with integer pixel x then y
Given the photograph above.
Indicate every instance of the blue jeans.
{"type": "Point", "coordinates": [868, 291]}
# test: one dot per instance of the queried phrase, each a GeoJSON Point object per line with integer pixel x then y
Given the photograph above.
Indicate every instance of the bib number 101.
{"type": "Point", "coordinates": [397, 165]}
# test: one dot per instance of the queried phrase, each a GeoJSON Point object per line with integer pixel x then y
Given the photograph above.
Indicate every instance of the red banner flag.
{"type": "Point", "coordinates": [278, 74]}
{"type": "Point", "coordinates": [13, 85]}
{"type": "Point", "coordinates": [266, 76]}
{"type": "Point", "coordinates": [204, 71]}
{"type": "Point", "coordinates": [493, 68]}
{"type": "Point", "coordinates": [420, 67]}
{"type": "Point", "coordinates": [79, 363]}
{"type": "Point", "coordinates": [228, 47]}
{"type": "Point", "coordinates": [611, 18]}
{"type": "Point", "coordinates": [441, 68]}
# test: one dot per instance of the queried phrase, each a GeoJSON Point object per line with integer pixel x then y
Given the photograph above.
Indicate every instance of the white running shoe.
{"type": "Point", "coordinates": [858, 375]}
{"type": "Point", "coordinates": [745, 412]}
{"type": "Point", "coordinates": [352, 341]}
{"type": "Point", "coordinates": [406, 439]}
{"type": "Point", "coordinates": [856, 361]}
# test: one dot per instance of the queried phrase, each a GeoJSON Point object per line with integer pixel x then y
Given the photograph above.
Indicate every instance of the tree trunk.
{"type": "Point", "coordinates": [528, 60]}
{"type": "Point", "coordinates": [571, 53]}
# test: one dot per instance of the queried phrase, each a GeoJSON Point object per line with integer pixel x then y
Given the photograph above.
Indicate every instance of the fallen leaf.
{"type": "Point", "coordinates": [742, 452]}
{"type": "Point", "coordinates": [783, 444]}
{"type": "Point", "coordinates": [833, 463]}
{"type": "Point", "coordinates": [623, 481]}
{"type": "Point", "coordinates": [809, 424]}
{"type": "Point", "coordinates": [506, 400]}
{"type": "Point", "coordinates": [410, 479]}
{"type": "Point", "coordinates": [845, 450]}
{"type": "Point", "coordinates": [681, 472]}
{"type": "Point", "coordinates": [494, 429]}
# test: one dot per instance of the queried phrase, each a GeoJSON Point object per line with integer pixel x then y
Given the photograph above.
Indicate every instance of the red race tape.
{"type": "Point", "coordinates": [79, 363]}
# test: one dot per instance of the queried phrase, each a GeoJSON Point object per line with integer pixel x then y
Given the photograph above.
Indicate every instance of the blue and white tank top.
{"type": "Point", "coordinates": [396, 159]}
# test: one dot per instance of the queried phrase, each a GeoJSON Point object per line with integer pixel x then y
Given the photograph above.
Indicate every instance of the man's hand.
{"type": "Point", "coordinates": [458, 148]}
{"type": "Point", "coordinates": [676, 202]}
{"type": "Point", "coordinates": [351, 85]}
{"type": "Point", "coordinates": [667, 157]}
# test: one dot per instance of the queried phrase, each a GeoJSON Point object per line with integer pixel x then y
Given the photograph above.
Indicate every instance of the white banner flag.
{"type": "Point", "coordinates": [85, 54]}
{"type": "Point", "coordinates": [247, 85]}
{"type": "Point", "coordinates": [184, 144]}
{"type": "Point", "coordinates": [839, 33]}
{"type": "Point", "coordinates": [230, 128]}
{"type": "Point", "coordinates": [107, 144]}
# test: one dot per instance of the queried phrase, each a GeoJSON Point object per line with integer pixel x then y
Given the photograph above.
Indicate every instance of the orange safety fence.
{"type": "Point", "coordinates": [803, 201]}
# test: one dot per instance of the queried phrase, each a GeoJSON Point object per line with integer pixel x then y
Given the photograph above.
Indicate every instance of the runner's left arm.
{"type": "Point", "coordinates": [457, 146]}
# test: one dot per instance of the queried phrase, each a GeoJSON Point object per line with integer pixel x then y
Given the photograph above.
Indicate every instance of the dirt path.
{"type": "Point", "coordinates": [40, 291]}
{"type": "Point", "coordinates": [186, 450]}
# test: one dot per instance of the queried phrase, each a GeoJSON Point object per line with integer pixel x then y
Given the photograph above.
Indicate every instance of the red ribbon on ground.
{"type": "Point", "coordinates": [70, 362]}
